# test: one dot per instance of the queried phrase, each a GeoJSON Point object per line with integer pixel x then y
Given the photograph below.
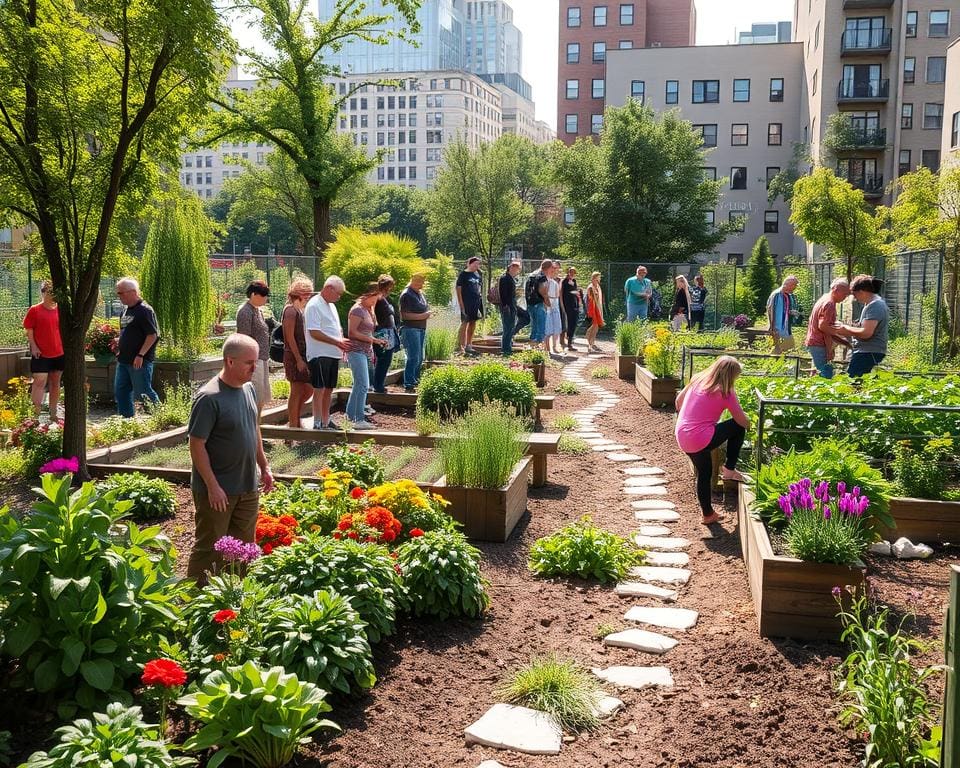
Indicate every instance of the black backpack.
{"type": "Point", "coordinates": [530, 289]}
{"type": "Point", "coordinates": [655, 308]}
{"type": "Point", "coordinates": [276, 344]}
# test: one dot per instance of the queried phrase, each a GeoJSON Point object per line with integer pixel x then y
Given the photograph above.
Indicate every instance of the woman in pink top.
{"type": "Point", "coordinates": [700, 404]}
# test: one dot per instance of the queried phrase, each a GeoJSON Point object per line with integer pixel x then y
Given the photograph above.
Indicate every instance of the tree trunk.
{"type": "Point", "coordinates": [321, 227]}
{"type": "Point", "coordinates": [75, 397]}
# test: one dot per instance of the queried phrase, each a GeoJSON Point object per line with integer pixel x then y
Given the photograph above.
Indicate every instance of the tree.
{"type": "Point", "coordinates": [640, 194]}
{"type": "Point", "coordinates": [475, 201]}
{"type": "Point", "coordinates": [781, 185]}
{"type": "Point", "coordinates": [93, 97]}
{"type": "Point", "coordinates": [292, 106]}
{"type": "Point", "coordinates": [404, 210]}
{"type": "Point", "coordinates": [761, 276]}
{"type": "Point", "coordinates": [828, 211]}
{"type": "Point", "coordinates": [248, 226]}
{"type": "Point", "coordinates": [926, 216]}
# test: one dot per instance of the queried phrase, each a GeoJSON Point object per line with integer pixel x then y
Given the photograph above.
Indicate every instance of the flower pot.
{"type": "Point", "coordinates": [626, 365]}
{"type": "Point", "coordinates": [539, 371]}
{"type": "Point", "coordinates": [791, 597]}
{"type": "Point", "coordinates": [656, 391]}
{"type": "Point", "coordinates": [923, 520]}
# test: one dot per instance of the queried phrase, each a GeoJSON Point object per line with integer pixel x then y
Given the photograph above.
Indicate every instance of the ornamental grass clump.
{"type": "Point", "coordinates": [825, 528]}
{"type": "Point", "coordinates": [629, 337]}
{"type": "Point", "coordinates": [440, 343]}
{"type": "Point", "coordinates": [481, 449]}
{"type": "Point", "coordinates": [559, 687]}
{"type": "Point", "coordinates": [581, 549]}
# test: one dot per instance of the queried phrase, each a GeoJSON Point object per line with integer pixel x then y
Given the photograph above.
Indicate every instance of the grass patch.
{"type": "Point", "coordinates": [601, 372]}
{"type": "Point", "coordinates": [481, 449]}
{"type": "Point", "coordinates": [564, 423]}
{"type": "Point", "coordinates": [398, 462]}
{"type": "Point", "coordinates": [573, 445]}
{"type": "Point", "coordinates": [560, 687]}
{"type": "Point", "coordinates": [440, 343]}
{"type": "Point", "coordinates": [567, 388]}
{"type": "Point", "coordinates": [171, 457]}
{"type": "Point", "coordinates": [432, 472]}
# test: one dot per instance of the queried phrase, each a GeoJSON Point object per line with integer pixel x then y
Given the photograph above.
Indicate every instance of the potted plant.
{"type": "Point", "coordinates": [656, 381]}
{"type": "Point", "coordinates": [102, 340]}
{"type": "Point", "coordinates": [536, 362]}
{"type": "Point", "coordinates": [629, 349]}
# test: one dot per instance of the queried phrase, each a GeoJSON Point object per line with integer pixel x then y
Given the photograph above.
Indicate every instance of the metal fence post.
{"type": "Point", "coordinates": [950, 747]}
{"type": "Point", "coordinates": [938, 304]}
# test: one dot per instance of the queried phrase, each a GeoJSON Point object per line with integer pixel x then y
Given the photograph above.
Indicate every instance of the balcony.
{"type": "Point", "coordinates": [871, 185]}
{"type": "Point", "coordinates": [866, 42]}
{"type": "Point", "coordinates": [856, 5]}
{"type": "Point", "coordinates": [861, 92]}
{"type": "Point", "coordinates": [858, 138]}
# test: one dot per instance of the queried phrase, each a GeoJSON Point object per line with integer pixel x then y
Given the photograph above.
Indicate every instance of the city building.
{"type": "Point", "coordinates": [591, 28]}
{"type": "Point", "coordinates": [746, 103]}
{"type": "Point", "coordinates": [492, 43]}
{"type": "Point", "coordinates": [772, 32]}
{"type": "Point", "coordinates": [950, 147]}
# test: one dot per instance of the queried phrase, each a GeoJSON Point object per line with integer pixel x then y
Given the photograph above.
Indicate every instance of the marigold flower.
{"type": "Point", "coordinates": [415, 532]}
{"type": "Point", "coordinates": [330, 494]}
{"type": "Point", "coordinates": [224, 616]}
{"type": "Point", "coordinates": [218, 657]}
{"type": "Point", "coordinates": [345, 523]}
{"type": "Point", "coordinates": [352, 535]}
{"type": "Point", "coordinates": [357, 493]}
{"type": "Point", "coordinates": [163, 672]}
{"type": "Point", "coordinates": [267, 549]}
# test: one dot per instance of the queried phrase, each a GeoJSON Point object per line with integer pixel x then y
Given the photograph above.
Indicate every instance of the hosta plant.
{"type": "Point", "coordinates": [257, 715]}
{"type": "Point", "coordinates": [151, 497]}
{"type": "Point", "coordinates": [581, 549]}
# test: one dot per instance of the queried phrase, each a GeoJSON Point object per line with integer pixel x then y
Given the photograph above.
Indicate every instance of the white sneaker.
{"type": "Point", "coordinates": [364, 425]}
{"type": "Point", "coordinates": [368, 411]}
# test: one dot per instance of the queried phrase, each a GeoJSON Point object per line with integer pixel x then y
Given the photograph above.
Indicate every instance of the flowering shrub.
{"type": "Point", "coordinates": [38, 442]}
{"type": "Point", "coordinates": [360, 461]}
{"type": "Point", "coordinates": [412, 506]}
{"type": "Point", "coordinates": [16, 406]}
{"type": "Point", "coordinates": [822, 528]}
{"type": "Point", "coordinates": [307, 502]}
{"type": "Point", "coordinates": [375, 524]}
{"type": "Point", "coordinates": [740, 322]}
{"type": "Point", "coordinates": [102, 339]}
{"type": "Point", "coordinates": [658, 354]}
{"type": "Point", "coordinates": [275, 531]}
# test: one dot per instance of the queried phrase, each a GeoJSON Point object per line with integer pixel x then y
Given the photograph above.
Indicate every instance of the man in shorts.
{"type": "Point", "coordinates": [325, 348]}
{"type": "Point", "coordinates": [42, 323]}
{"type": "Point", "coordinates": [469, 298]}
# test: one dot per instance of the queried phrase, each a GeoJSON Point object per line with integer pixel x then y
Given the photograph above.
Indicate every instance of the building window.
{"type": "Point", "coordinates": [911, 24]}
{"type": "Point", "coordinates": [626, 45]}
{"type": "Point", "coordinates": [903, 167]}
{"type": "Point", "coordinates": [573, 17]}
{"type": "Point", "coordinates": [739, 134]}
{"type": "Point", "coordinates": [597, 87]}
{"type": "Point", "coordinates": [737, 220]}
{"type": "Point", "coordinates": [599, 51]}
{"type": "Point", "coordinates": [772, 171]}
{"type": "Point", "coordinates": [776, 89]}
{"type": "Point", "coordinates": [709, 174]}
{"type": "Point", "coordinates": [638, 90]}
{"type": "Point", "coordinates": [573, 53]}
{"type": "Point", "coordinates": [710, 217]}
{"type": "Point", "coordinates": [906, 116]}
{"type": "Point", "coordinates": [706, 91]}
{"type": "Point", "coordinates": [771, 222]}
{"type": "Point", "coordinates": [939, 24]}
{"type": "Point", "coordinates": [738, 178]}
{"type": "Point", "coordinates": [573, 89]}
{"type": "Point", "coordinates": [933, 116]}
{"type": "Point", "coordinates": [936, 69]}
{"type": "Point", "coordinates": [930, 158]}
{"type": "Point", "coordinates": [709, 134]}
{"type": "Point", "coordinates": [813, 85]}
{"type": "Point", "coordinates": [741, 90]}
{"type": "Point", "coordinates": [568, 216]}
{"type": "Point", "coordinates": [955, 130]}
{"type": "Point", "coordinates": [188, 162]}
{"type": "Point", "coordinates": [816, 38]}
{"type": "Point", "coordinates": [774, 134]}
{"type": "Point", "coordinates": [600, 16]}
{"type": "Point", "coordinates": [570, 123]}
{"type": "Point", "coordinates": [673, 92]}
{"type": "Point", "coordinates": [596, 123]}
{"type": "Point", "coordinates": [909, 69]}
{"type": "Point", "coordinates": [626, 14]}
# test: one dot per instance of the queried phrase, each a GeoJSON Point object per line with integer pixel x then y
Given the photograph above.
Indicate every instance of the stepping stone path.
{"type": "Point", "coordinates": [653, 504]}
{"type": "Point", "coordinates": [642, 482]}
{"type": "Point", "coordinates": [641, 640]}
{"type": "Point", "coordinates": [636, 677]}
{"type": "Point", "coordinates": [656, 515]}
{"type": "Point", "coordinates": [643, 471]}
{"type": "Point", "coordinates": [669, 559]}
{"type": "Point", "coordinates": [654, 530]}
{"type": "Point", "coordinates": [624, 457]}
{"type": "Point", "coordinates": [661, 543]}
{"type": "Point", "coordinates": [656, 490]}
{"type": "Point", "coordinates": [643, 589]}
{"type": "Point", "coordinates": [663, 575]}
{"type": "Point", "coordinates": [667, 618]}
{"type": "Point", "coordinates": [602, 448]}
{"type": "Point", "coordinates": [505, 726]}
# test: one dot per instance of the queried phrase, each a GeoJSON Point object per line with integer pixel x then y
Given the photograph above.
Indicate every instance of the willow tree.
{"type": "Point", "coordinates": [175, 273]}
{"type": "Point", "coordinates": [94, 97]}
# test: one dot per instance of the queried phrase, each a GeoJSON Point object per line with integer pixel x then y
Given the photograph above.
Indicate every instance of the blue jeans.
{"type": "Point", "coordinates": [636, 311]}
{"type": "Point", "coordinates": [819, 355]}
{"type": "Point", "coordinates": [508, 321]}
{"type": "Point", "coordinates": [414, 340]}
{"type": "Point", "coordinates": [381, 369]}
{"type": "Point", "coordinates": [863, 362]}
{"type": "Point", "coordinates": [538, 321]}
{"type": "Point", "coordinates": [359, 366]}
{"type": "Point", "coordinates": [130, 384]}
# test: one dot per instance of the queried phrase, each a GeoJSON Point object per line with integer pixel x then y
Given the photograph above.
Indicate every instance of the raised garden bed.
{"type": "Point", "coordinates": [656, 391]}
{"type": "Point", "coordinates": [791, 597]}
{"type": "Point", "coordinates": [923, 520]}
{"type": "Point", "coordinates": [626, 365]}
{"type": "Point", "coordinates": [13, 363]}
{"type": "Point", "coordinates": [100, 376]}
{"type": "Point", "coordinates": [489, 514]}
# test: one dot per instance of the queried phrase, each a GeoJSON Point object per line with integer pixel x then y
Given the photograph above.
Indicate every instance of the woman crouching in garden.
{"type": "Point", "coordinates": [699, 405]}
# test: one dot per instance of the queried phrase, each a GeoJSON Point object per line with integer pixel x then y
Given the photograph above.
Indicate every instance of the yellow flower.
{"type": "Point", "coordinates": [344, 475]}
{"type": "Point", "coordinates": [325, 472]}
{"type": "Point", "coordinates": [332, 484]}
{"type": "Point", "coordinates": [237, 634]}
{"type": "Point", "coordinates": [14, 381]}
{"type": "Point", "coordinates": [330, 494]}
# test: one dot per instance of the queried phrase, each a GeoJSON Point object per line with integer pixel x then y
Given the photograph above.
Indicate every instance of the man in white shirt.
{"type": "Point", "coordinates": [325, 348]}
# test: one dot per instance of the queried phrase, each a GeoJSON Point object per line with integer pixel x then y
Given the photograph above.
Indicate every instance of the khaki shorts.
{"type": "Point", "coordinates": [261, 381]}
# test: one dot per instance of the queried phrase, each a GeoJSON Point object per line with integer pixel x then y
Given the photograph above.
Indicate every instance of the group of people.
{"type": "Point", "coordinates": [689, 301]}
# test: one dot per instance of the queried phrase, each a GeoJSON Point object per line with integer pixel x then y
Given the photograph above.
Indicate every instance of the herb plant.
{"type": "Point", "coordinates": [567, 388]}
{"type": "Point", "coordinates": [481, 449]}
{"type": "Point", "coordinates": [151, 497]}
{"type": "Point", "coordinates": [629, 337]}
{"type": "Point", "coordinates": [559, 687]}
{"type": "Point", "coordinates": [573, 445]}
{"type": "Point", "coordinates": [564, 423]}
{"type": "Point", "coordinates": [440, 343]}
{"type": "Point", "coordinates": [923, 474]}
{"type": "Point", "coordinates": [173, 410]}
{"type": "Point", "coordinates": [450, 390]}
{"type": "Point", "coordinates": [601, 372]}
{"type": "Point", "coordinates": [116, 429]}
{"type": "Point", "coordinates": [581, 549]}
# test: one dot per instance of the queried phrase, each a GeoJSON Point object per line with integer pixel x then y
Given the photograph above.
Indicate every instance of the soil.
{"type": "Point", "coordinates": [739, 700]}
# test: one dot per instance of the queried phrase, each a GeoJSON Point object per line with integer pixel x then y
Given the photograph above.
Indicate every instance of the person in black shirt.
{"type": "Point", "coordinates": [386, 329]}
{"type": "Point", "coordinates": [698, 303]}
{"type": "Point", "coordinates": [135, 349]}
{"type": "Point", "coordinates": [469, 287]}
{"type": "Point", "coordinates": [570, 299]}
{"type": "Point", "coordinates": [508, 306]}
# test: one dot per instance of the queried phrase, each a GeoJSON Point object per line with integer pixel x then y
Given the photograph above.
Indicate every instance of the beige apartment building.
{"type": "Point", "coordinates": [746, 102]}
{"type": "Point", "coordinates": [950, 148]}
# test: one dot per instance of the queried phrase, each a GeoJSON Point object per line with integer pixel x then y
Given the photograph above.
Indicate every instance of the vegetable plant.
{"type": "Point", "coordinates": [449, 390]}
{"type": "Point", "coordinates": [923, 474]}
{"type": "Point", "coordinates": [151, 497]}
{"type": "Point", "coordinates": [581, 549]}
{"type": "Point", "coordinates": [361, 461]}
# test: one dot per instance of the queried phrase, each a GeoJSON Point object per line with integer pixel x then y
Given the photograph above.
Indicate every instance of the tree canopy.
{"type": "Point", "coordinates": [761, 276]}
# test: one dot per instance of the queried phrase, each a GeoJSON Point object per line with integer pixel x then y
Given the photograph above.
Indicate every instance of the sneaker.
{"type": "Point", "coordinates": [331, 424]}
{"type": "Point", "coordinates": [471, 352]}
{"type": "Point", "coordinates": [318, 425]}
{"type": "Point", "coordinates": [364, 425]}
{"type": "Point", "coordinates": [368, 411]}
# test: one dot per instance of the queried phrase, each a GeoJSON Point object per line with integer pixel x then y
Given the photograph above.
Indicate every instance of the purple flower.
{"type": "Point", "coordinates": [856, 490]}
{"type": "Point", "coordinates": [835, 591]}
{"type": "Point", "coordinates": [232, 549]}
{"type": "Point", "coordinates": [826, 513]}
{"type": "Point", "coordinates": [841, 488]}
{"type": "Point", "coordinates": [61, 465]}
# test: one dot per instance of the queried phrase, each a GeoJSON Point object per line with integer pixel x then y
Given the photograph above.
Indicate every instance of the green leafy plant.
{"type": "Point", "coordinates": [305, 502]}
{"type": "Point", "coordinates": [581, 549]}
{"type": "Point", "coordinates": [119, 737]}
{"type": "Point", "coordinates": [531, 357]}
{"type": "Point", "coordinates": [254, 714]}
{"type": "Point", "coordinates": [361, 461]}
{"type": "Point", "coordinates": [116, 429]}
{"type": "Point", "coordinates": [603, 630]}
{"type": "Point", "coordinates": [567, 388]}
{"type": "Point", "coordinates": [560, 687]}
{"type": "Point", "coordinates": [426, 422]}
{"type": "Point", "coordinates": [601, 372]}
{"type": "Point", "coordinates": [440, 343]}
{"type": "Point", "coordinates": [450, 390]}
{"type": "Point", "coordinates": [441, 573]}
{"type": "Point", "coordinates": [572, 445]}
{"type": "Point", "coordinates": [11, 465]}
{"type": "Point", "coordinates": [923, 474]}
{"type": "Point", "coordinates": [84, 597]}
{"type": "Point", "coordinates": [173, 410]}
{"type": "Point", "coordinates": [280, 389]}
{"type": "Point", "coordinates": [151, 497]}
{"type": "Point", "coordinates": [564, 423]}
{"type": "Point", "coordinates": [481, 449]}
{"type": "Point", "coordinates": [629, 337]}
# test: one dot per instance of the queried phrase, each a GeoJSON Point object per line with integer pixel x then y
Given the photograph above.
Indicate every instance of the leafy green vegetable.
{"type": "Point", "coordinates": [581, 549]}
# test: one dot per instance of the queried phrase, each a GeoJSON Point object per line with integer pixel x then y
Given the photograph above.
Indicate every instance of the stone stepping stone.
{"type": "Point", "coordinates": [588, 434]}
{"type": "Point", "coordinates": [491, 764]}
{"type": "Point", "coordinates": [505, 726]}
{"type": "Point", "coordinates": [624, 457]}
{"type": "Point", "coordinates": [643, 471]}
{"type": "Point", "coordinates": [668, 618]}
{"type": "Point", "coordinates": [643, 482]}
{"type": "Point", "coordinates": [662, 574]}
{"type": "Point", "coordinates": [642, 589]}
{"type": "Point", "coordinates": [641, 640]}
{"type": "Point", "coordinates": [653, 504]}
{"type": "Point", "coordinates": [606, 705]}
{"type": "Point", "coordinates": [636, 677]}
{"type": "Point", "coordinates": [653, 490]}
{"type": "Point", "coordinates": [656, 515]}
{"type": "Point", "coordinates": [613, 447]}
{"type": "Point", "coordinates": [598, 441]}
{"type": "Point", "coordinates": [668, 559]}
{"type": "Point", "coordinates": [654, 530]}
{"type": "Point", "coordinates": [661, 543]}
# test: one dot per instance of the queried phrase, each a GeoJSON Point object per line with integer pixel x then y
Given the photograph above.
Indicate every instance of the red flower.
{"type": "Point", "coordinates": [163, 672]}
{"type": "Point", "coordinates": [220, 657]}
{"type": "Point", "coordinates": [226, 615]}
{"type": "Point", "coordinates": [289, 520]}
{"type": "Point", "coordinates": [268, 548]}
{"type": "Point", "coordinates": [337, 535]}
{"type": "Point", "coordinates": [389, 536]}
{"type": "Point", "coordinates": [345, 522]}
{"type": "Point", "coordinates": [357, 493]}
{"type": "Point", "coordinates": [415, 532]}
{"type": "Point", "coordinates": [352, 535]}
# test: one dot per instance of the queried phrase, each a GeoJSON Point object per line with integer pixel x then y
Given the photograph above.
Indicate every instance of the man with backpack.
{"type": "Point", "coordinates": [538, 301]}
{"type": "Point", "coordinates": [503, 293]}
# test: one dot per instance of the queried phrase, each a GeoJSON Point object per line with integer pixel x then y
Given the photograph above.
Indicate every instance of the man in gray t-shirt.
{"type": "Point", "coordinates": [226, 450]}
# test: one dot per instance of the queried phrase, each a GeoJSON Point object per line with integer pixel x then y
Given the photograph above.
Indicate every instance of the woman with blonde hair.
{"type": "Point", "coordinates": [680, 311]}
{"type": "Point", "coordinates": [295, 367]}
{"type": "Point", "coordinates": [699, 405]}
{"type": "Point", "coordinates": [594, 311]}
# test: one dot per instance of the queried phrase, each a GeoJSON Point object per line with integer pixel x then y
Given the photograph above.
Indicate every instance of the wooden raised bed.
{"type": "Point", "coordinates": [792, 598]}
{"type": "Point", "coordinates": [100, 376]}
{"type": "Point", "coordinates": [625, 365]}
{"type": "Point", "coordinates": [654, 390]}
{"type": "Point", "coordinates": [10, 364]}
{"type": "Point", "coordinates": [489, 515]}
{"type": "Point", "coordinates": [923, 520]}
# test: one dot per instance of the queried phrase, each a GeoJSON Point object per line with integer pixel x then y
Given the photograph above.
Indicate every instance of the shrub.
{"type": "Point", "coordinates": [581, 549]}
{"type": "Point", "coordinates": [17, 406]}
{"type": "Point", "coordinates": [567, 388]}
{"type": "Point", "coordinates": [573, 445]}
{"type": "Point", "coordinates": [761, 276]}
{"type": "Point", "coordinates": [254, 714]}
{"type": "Point", "coordinates": [601, 372]}
{"type": "Point", "coordinates": [822, 528]}
{"type": "Point", "coordinates": [303, 501]}
{"type": "Point", "coordinates": [280, 389]}
{"type": "Point", "coordinates": [440, 343]}
{"type": "Point", "coordinates": [11, 465]}
{"type": "Point", "coordinates": [481, 449]}
{"type": "Point", "coordinates": [561, 688]}
{"type": "Point", "coordinates": [118, 737]}
{"type": "Point", "coordinates": [449, 390]}
{"type": "Point", "coordinates": [84, 597]}
{"type": "Point", "coordinates": [38, 444]}
{"type": "Point", "coordinates": [441, 573]}
{"type": "Point", "coordinates": [923, 474]}
{"type": "Point", "coordinates": [361, 461]}
{"type": "Point", "coordinates": [151, 497]}
{"type": "Point", "coordinates": [116, 429]}
{"type": "Point", "coordinates": [564, 423]}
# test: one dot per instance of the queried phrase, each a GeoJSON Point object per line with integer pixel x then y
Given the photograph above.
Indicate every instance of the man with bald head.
{"type": "Point", "coordinates": [226, 450]}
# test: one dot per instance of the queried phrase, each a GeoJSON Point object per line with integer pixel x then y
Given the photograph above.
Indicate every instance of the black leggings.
{"type": "Point", "coordinates": [728, 432]}
{"type": "Point", "coordinates": [571, 318]}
